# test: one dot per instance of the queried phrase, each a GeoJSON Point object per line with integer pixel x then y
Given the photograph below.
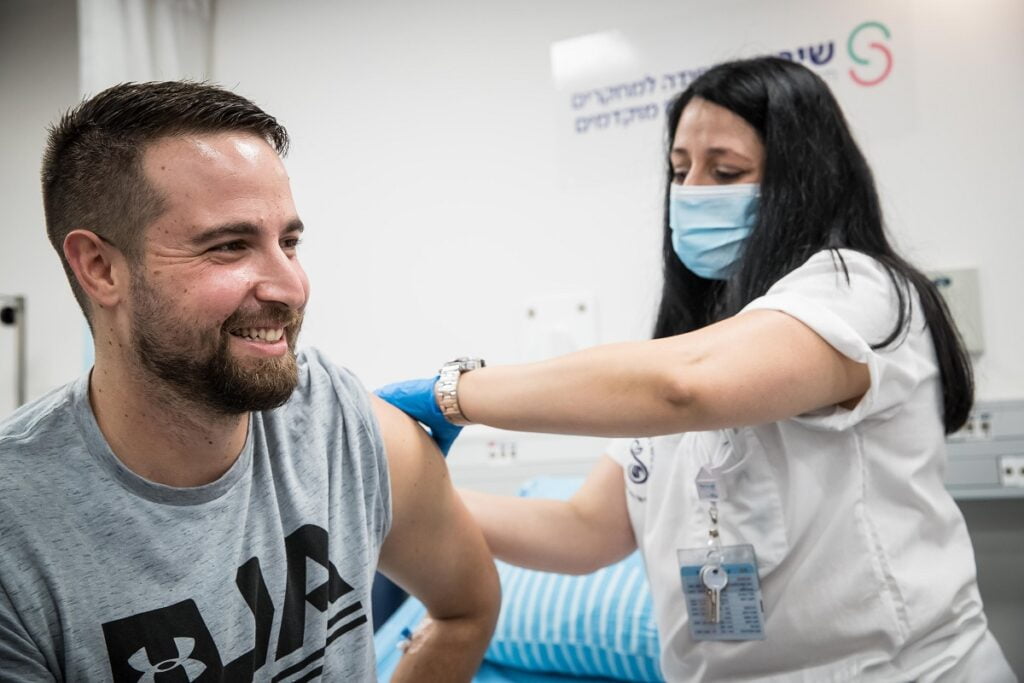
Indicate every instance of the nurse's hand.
{"type": "Point", "coordinates": [415, 397]}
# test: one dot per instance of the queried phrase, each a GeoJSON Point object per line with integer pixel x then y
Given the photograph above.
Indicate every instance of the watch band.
{"type": "Point", "coordinates": [446, 389]}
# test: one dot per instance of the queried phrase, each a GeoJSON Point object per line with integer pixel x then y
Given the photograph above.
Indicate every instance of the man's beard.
{"type": "Point", "coordinates": [198, 365]}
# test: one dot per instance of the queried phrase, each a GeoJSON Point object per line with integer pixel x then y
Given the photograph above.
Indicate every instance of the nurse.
{"type": "Point", "coordinates": [783, 451]}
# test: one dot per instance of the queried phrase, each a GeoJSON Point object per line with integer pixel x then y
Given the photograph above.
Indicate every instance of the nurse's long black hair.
{"type": "Point", "coordinates": [817, 192]}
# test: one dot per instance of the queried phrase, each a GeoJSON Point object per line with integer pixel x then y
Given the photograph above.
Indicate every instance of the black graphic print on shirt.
{"type": "Point", "coordinates": [173, 644]}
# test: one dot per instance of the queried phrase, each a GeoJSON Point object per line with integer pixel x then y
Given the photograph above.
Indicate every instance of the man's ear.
{"type": "Point", "coordinates": [99, 266]}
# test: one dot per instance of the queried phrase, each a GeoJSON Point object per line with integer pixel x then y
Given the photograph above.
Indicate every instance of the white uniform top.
{"type": "Point", "coordinates": [866, 567]}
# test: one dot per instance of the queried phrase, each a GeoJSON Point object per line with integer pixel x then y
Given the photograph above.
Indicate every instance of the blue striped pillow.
{"type": "Point", "coordinates": [600, 624]}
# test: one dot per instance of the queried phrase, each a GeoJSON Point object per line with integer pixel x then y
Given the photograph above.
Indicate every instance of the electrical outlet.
{"type": "Point", "coordinates": [1011, 470]}
{"type": "Point", "coordinates": [978, 427]}
{"type": "Point", "coordinates": [981, 426]}
{"type": "Point", "coordinates": [501, 450]}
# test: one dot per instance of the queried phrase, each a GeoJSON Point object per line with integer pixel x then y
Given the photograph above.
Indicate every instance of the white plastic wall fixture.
{"type": "Point", "coordinates": [960, 289]}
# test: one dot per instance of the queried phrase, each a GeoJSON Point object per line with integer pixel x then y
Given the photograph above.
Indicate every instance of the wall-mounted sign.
{"type": "Point", "coordinates": [613, 87]}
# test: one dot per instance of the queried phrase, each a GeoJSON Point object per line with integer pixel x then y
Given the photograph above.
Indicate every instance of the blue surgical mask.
{"type": "Point", "coordinates": [709, 225]}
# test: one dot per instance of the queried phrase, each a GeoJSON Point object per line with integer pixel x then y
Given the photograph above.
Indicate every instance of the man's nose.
{"type": "Point", "coordinates": [282, 280]}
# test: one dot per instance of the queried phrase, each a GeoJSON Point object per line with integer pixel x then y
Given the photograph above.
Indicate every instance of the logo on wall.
{"type": "Point", "coordinates": [642, 100]}
{"type": "Point", "coordinates": [879, 53]}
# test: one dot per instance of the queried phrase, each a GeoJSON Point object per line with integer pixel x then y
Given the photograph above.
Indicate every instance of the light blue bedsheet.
{"type": "Point", "coordinates": [409, 615]}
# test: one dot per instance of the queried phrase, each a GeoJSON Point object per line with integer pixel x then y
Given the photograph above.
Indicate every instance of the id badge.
{"type": "Point", "coordinates": [722, 592]}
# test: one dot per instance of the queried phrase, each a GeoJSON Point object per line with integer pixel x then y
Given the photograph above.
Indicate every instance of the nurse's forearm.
{"type": "Point", "coordinates": [753, 368]}
{"type": "Point", "coordinates": [549, 535]}
{"type": "Point", "coordinates": [589, 531]}
{"type": "Point", "coordinates": [613, 390]}
{"type": "Point", "coordinates": [531, 532]}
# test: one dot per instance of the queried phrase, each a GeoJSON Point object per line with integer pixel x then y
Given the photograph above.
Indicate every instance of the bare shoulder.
{"type": "Point", "coordinates": [414, 460]}
{"type": "Point", "coordinates": [402, 433]}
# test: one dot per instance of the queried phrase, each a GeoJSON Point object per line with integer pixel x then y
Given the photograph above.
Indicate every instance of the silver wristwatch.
{"type": "Point", "coordinates": [446, 389]}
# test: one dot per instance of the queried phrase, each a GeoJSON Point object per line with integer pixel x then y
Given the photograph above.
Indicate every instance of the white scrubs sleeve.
{"type": "Point", "coordinates": [618, 450]}
{"type": "Point", "coordinates": [852, 314]}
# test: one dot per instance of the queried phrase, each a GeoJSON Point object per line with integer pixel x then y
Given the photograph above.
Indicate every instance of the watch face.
{"type": "Point", "coordinates": [463, 364]}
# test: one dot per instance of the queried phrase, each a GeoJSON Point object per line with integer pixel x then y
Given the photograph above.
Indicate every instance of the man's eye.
{"type": "Point", "coordinates": [679, 176]}
{"type": "Point", "coordinates": [291, 242]}
{"type": "Point", "coordinates": [237, 245]}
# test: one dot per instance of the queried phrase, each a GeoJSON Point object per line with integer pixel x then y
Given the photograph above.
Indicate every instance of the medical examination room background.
{"type": "Point", "coordinates": [484, 178]}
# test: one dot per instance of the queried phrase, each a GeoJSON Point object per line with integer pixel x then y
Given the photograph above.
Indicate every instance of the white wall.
{"type": "Point", "coordinates": [425, 164]}
{"type": "Point", "coordinates": [38, 80]}
{"type": "Point", "coordinates": [952, 185]}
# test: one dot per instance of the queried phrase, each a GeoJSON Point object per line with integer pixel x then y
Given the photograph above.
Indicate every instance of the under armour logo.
{"type": "Point", "coordinates": [193, 668]}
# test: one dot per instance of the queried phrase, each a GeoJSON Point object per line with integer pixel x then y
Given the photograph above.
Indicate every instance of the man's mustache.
{"type": "Point", "coordinates": [274, 315]}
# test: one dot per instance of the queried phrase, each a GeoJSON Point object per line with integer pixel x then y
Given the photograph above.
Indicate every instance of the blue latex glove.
{"type": "Point", "coordinates": [415, 398]}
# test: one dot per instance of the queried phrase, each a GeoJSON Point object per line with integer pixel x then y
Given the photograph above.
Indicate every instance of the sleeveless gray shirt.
{"type": "Point", "coordinates": [264, 574]}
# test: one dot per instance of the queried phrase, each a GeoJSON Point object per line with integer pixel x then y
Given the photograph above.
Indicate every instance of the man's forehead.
{"type": "Point", "coordinates": [219, 178]}
{"type": "Point", "coordinates": [219, 147]}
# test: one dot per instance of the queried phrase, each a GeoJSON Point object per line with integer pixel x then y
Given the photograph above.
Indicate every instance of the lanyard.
{"type": "Point", "coordinates": [711, 489]}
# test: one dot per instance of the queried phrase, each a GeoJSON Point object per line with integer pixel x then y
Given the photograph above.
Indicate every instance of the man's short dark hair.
{"type": "Point", "coordinates": [92, 170]}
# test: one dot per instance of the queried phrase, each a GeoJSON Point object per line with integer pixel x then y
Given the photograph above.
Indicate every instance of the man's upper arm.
{"type": "Point", "coordinates": [434, 549]}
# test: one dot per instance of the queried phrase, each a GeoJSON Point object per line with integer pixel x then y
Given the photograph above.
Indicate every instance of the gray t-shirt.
{"type": "Point", "coordinates": [264, 574]}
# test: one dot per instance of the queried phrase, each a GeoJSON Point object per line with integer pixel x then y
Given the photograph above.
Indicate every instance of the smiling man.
{"type": "Point", "coordinates": [207, 504]}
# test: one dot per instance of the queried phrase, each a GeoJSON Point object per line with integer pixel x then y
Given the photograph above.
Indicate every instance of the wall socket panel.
{"type": "Point", "coordinates": [1011, 470]}
{"type": "Point", "coordinates": [499, 461]}
{"type": "Point", "coordinates": [977, 428]}
{"type": "Point", "coordinates": [986, 457]}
